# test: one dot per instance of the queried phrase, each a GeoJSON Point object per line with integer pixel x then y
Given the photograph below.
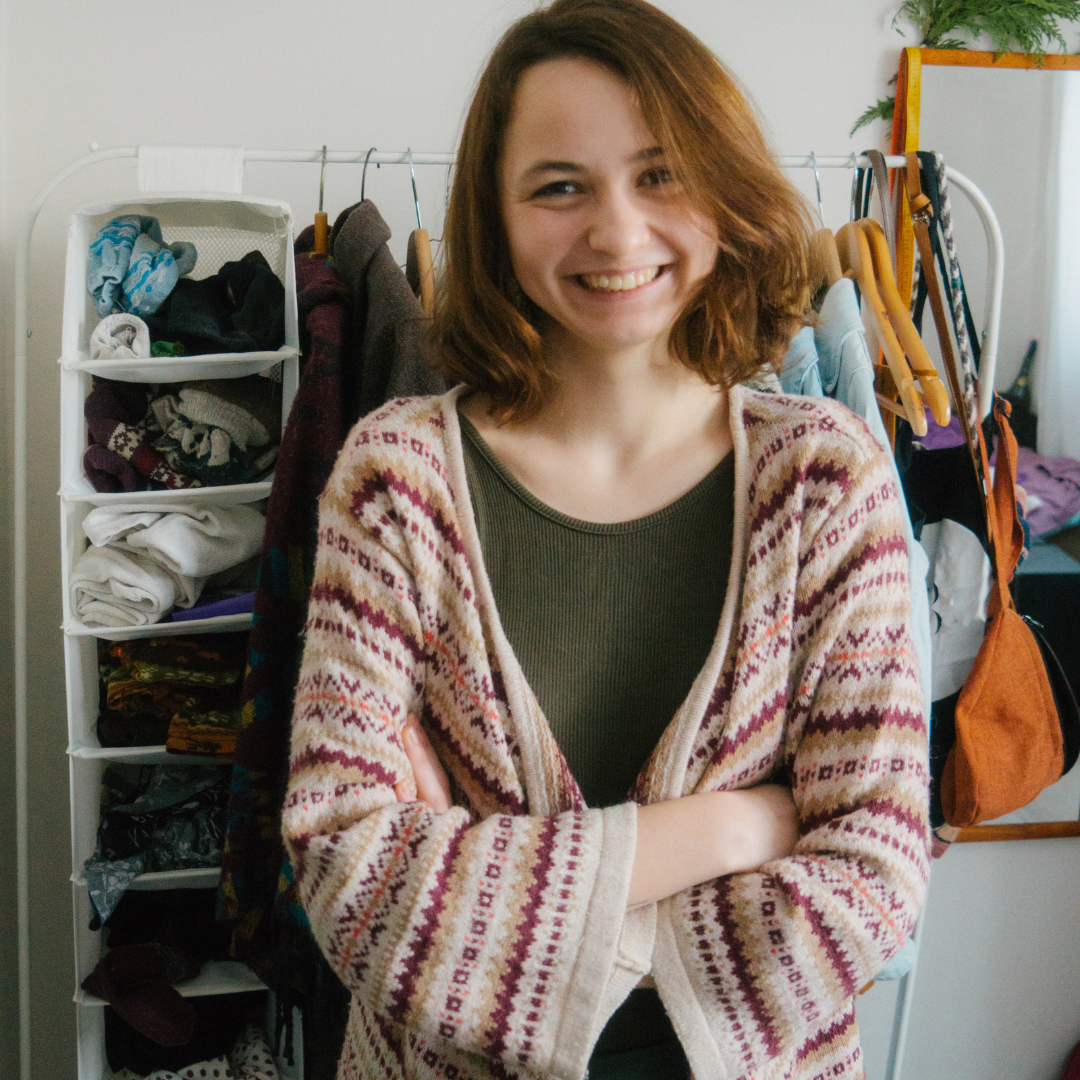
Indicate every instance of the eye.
{"type": "Point", "coordinates": [659, 176]}
{"type": "Point", "coordinates": [557, 189]}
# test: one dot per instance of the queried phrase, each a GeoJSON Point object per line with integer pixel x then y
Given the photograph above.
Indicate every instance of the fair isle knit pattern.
{"type": "Point", "coordinates": [494, 941]}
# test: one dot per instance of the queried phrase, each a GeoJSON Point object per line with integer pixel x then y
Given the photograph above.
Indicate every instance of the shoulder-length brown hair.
{"type": "Point", "coordinates": [742, 317]}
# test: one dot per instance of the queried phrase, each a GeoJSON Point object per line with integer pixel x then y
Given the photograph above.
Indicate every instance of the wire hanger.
{"type": "Point", "coordinates": [419, 266]}
{"type": "Point", "coordinates": [320, 217]}
{"type": "Point", "coordinates": [363, 175]}
{"type": "Point", "coordinates": [824, 258]}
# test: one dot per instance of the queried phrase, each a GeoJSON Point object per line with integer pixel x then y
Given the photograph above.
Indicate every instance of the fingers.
{"type": "Point", "coordinates": [430, 783]}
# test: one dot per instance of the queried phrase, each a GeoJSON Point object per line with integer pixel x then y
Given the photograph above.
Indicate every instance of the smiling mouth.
{"type": "Point", "coordinates": [620, 282]}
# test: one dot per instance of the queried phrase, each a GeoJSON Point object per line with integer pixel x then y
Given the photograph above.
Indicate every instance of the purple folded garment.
{"type": "Point", "coordinates": [232, 605]}
{"type": "Point", "coordinates": [1056, 481]}
{"type": "Point", "coordinates": [941, 438]}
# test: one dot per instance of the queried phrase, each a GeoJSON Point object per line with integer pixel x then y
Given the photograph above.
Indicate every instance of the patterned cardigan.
{"type": "Point", "coordinates": [494, 940]}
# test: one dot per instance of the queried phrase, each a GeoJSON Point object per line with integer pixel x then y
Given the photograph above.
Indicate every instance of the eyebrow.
{"type": "Point", "coordinates": [649, 154]}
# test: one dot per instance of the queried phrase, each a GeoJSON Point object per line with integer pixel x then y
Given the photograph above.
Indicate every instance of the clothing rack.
{"type": "Point", "coordinates": [991, 323]}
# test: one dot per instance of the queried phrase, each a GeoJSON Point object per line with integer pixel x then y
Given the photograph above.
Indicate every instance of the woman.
{"type": "Point", "coordinates": [608, 676]}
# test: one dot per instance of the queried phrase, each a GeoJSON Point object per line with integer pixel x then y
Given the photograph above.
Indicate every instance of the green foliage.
{"type": "Point", "coordinates": [880, 110]}
{"type": "Point", "coordinates": [1012, 25]}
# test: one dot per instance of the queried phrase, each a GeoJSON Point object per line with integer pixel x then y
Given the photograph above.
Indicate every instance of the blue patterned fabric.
{"type": "Point", "coordinates": [130, 268]}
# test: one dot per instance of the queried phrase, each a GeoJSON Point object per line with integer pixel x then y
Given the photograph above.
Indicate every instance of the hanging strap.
{"type": "Point", "coordinates": [922, 213]}
{"type": "Point", "coordinates": [1001, 505]}
{"type": "Point", "coordinates": [881, 181]}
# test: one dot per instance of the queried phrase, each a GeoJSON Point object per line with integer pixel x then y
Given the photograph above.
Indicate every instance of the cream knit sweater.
{"type": "Point", "coordinates": [494, 940]}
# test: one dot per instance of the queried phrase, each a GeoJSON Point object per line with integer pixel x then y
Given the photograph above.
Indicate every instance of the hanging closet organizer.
{"type": "Point", "coordinates": [224, 227]}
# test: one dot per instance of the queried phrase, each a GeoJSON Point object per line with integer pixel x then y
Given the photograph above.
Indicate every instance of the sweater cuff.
{"type": "Point", "coordinates": [616, 947]}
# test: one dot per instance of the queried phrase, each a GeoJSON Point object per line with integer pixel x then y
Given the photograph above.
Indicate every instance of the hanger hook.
{"type": "Point", "coordinates": [854, 177]}
{"type": "Point", "coordinates": [415, 199]}
{"type": "Point", "coordinates": [817, 185]}
{"type": "Point", "coordinates": [363, 175]}
{"type": "Point", "coordinates": [322, 178]}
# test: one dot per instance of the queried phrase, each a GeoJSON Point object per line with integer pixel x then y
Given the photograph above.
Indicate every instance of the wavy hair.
{"type": "Point", "coordinates": [744, 313]}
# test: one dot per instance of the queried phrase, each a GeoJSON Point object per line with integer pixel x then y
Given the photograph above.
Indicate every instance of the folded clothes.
{"type": "Point", "coordinates": [120, 588]}
{"type": "Point", "coordinates": [241, 308]}
{"type": "Point", "coordinates": [194, 729]}
{"type": "Point", "coordinates": [230, 605]}
{"type": "Point", "coordinates": [1055, 484]}
{"type": "Point", "coordinates": [137, 981]}
{"type": "Point", "coordinates": [108, 471]}
{"type": "Point", "coordinates": [150, 685]}
{"type": "Point", "coordinates": [129, 266]}
{"type": "Point", "coordinates": [190, 542]}
{"type": "Point", "coordinates": [120, 337]}
{"type": "Point", "coordinates": [166, 817]}
{"type": "Point", "coordinates": [220, 431]}
{"type": "Point", "coordinates": [208, 660]}
{"type": "Point", "coordinates": [122, 425]}
{"type": "Point", "coordinates": [247, 1055]}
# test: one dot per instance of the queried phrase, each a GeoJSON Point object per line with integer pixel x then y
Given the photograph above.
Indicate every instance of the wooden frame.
{"type": "Point", "coordinates": [905, 139]}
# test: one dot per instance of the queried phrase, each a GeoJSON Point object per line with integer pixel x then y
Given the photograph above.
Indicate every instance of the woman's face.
{"type": "Point", "coordinates": [602, 238]}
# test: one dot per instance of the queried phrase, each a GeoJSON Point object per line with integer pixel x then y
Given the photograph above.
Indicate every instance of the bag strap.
{"type": "Point", "coordinates": [1008, 531]}
{"type": "Point", "coordinates": [1003, 527]}
{"type": "Point", "coordinates": [921, 214]}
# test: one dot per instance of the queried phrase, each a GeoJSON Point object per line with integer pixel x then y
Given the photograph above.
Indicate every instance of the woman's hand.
{"type": "Point", "coordinates": [684, 842]}
{"type": "Point", "coordinates": [430, 783]}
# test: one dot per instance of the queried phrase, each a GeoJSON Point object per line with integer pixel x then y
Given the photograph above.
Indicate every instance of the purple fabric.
{"type": "Point", "coordinates": [108, 471]}
{"type": "Point", "coordinates": [1056, 481]}
{"type": "Point", "coordinates": [232, 605]}
{"type": "Point", "coordinates": [941, 438]}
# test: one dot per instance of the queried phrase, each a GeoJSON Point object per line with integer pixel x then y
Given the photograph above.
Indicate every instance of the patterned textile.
{"type": "Point", "coordinates": [129, 266]}
{"type": "Point", "coordinates": [309, 445]}
{"type": "Point", "coordinates": [168, 817]}
{"type": "Point", "coordinates": [494, 940]}
{"type": "Point", "coordinates": [181, 691]}
{"type": "Point", "coordinates": [249, 1059]}
{"type": "Point", "coordinates": [195, 729]}
{"type": "Point", "coordinates": [122, 456]}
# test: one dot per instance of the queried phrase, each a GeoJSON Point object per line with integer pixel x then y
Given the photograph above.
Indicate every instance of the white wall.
{"type": "Point", "coordinates": [353, 74]}
{"type": "Point", "coordinates": [995, 126]}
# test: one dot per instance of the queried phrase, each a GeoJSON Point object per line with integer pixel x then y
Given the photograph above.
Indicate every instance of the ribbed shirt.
{"type": "Point", "coordinates": [611, 622]}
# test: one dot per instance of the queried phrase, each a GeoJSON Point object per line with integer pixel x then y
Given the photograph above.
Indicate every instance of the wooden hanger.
{"type": "Point", "coordinates": [825, 266]}
{"type": "Point", "coordinates": [922, 367]}
{"type": "Point", "coordinates": [320, 217]}
{"type": "Point", "coordinates": [419, 265]}
{"type": "Point", "coordinates": [419, 269]}
{"type": "Point", "coordinates": [857, 262]}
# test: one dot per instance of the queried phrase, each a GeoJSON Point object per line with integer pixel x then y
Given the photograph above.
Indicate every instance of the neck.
{"type": "Point", "coordinates": [633, 398]}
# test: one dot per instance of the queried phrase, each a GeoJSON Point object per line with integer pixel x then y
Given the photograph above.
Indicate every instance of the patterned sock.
{"type": "Point", "coordinates": [109, 418]}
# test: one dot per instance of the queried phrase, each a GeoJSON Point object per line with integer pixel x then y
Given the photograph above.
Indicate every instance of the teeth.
{"type": "Point", "coordinates": [620, 282]}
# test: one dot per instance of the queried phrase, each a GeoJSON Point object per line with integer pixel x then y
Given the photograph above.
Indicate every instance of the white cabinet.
{"type": "Point", "coordinates": [223, 228]}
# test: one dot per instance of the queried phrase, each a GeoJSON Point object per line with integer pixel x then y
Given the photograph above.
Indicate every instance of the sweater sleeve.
{"type": "Point", "coordinates": [770, 960]}
{"type": "Point", "coordinates": [502, 933]}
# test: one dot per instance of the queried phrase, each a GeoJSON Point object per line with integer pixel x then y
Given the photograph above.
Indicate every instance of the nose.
{"type": "Point", "coordinates": [619, 224]}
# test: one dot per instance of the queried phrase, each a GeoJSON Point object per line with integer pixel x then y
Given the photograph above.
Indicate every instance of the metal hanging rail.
{"type": "Point", "coordinates": [995, 277]}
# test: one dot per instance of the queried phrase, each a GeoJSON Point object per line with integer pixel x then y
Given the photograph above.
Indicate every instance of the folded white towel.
{"type": "Point", "coordinates": [189, 540]}
{"type": "Point", "coordinates": [118, 588]}
{"type": "Point", "coordinates": [120, 337]}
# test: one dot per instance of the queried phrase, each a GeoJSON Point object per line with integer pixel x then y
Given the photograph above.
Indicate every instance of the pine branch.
{"type": "Point", "coordinates": [1012, 25]}
{"type": "Point", "coordinates": [880, 110]}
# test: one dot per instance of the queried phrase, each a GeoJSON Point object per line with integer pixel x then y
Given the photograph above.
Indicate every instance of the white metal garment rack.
{"type": "Point", "coordinates": [995, 278]}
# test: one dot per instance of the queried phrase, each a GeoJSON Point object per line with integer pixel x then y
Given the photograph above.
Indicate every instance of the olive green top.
{"type": "Point", "coordinates": [611, 622]}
